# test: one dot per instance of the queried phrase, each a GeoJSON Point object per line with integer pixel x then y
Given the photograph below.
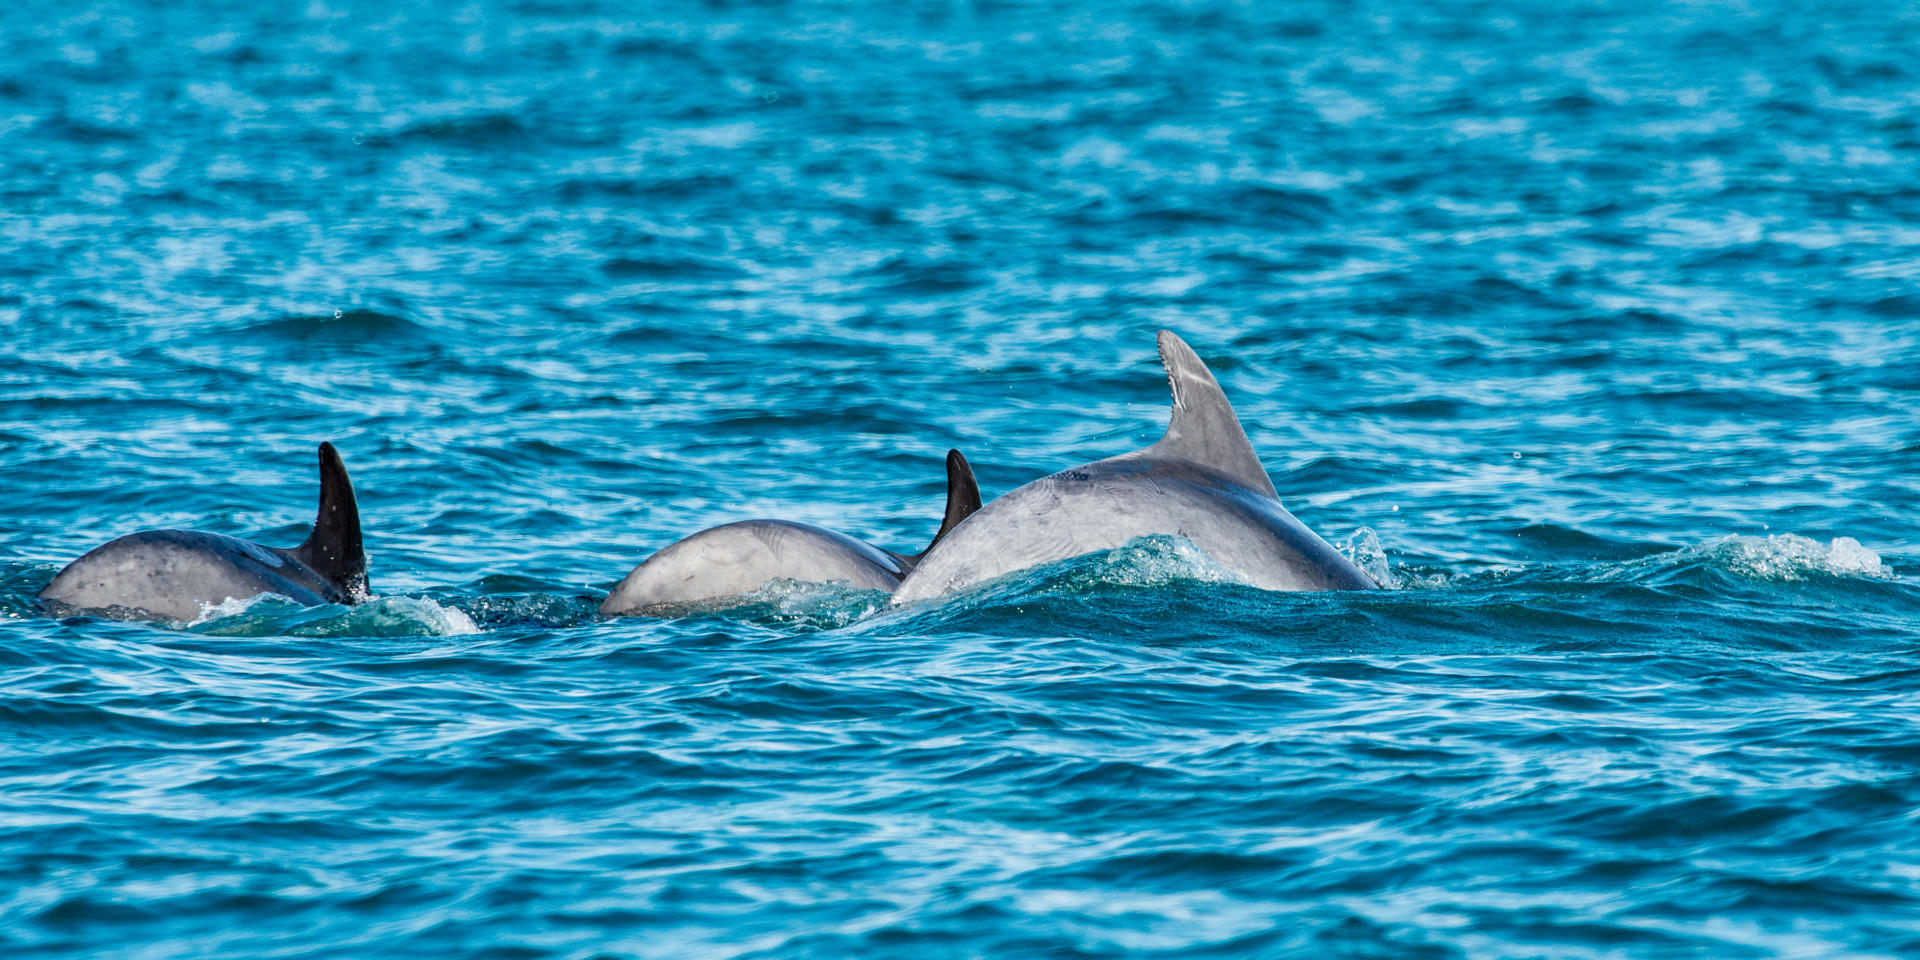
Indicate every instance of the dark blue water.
{"type": "Point", "coordinates": [1595, 325]}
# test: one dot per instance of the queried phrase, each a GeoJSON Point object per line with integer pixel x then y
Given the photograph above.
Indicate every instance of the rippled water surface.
{"type": "Point", "coordinates": [1592, 326]}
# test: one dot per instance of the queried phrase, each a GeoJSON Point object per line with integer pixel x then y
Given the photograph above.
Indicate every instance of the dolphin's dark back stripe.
{"type": "Point", "coordinates": [334, 550]}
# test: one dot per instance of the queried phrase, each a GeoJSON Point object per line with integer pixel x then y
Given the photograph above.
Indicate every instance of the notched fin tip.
{"type": "Point", "coordinates": [1202, 426]}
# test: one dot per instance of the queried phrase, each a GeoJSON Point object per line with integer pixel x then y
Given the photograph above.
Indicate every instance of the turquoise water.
{"type": "Point", "coordinates": [1593, 325]}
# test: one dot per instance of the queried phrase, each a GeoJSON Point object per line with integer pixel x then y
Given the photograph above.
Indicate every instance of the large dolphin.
{"type": "Point", "coordinates": [177, 574]}
{"type": "Point", "coordinates": [1202, 481]}
{"type": "Point", "coordinates": [738, 558]}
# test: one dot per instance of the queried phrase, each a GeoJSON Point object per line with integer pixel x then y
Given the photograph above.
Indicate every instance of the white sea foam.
{"type": "Point", "coordinates": [270, 614]}
{"type": "Point", "coordinates": [1788, 556]}
{"type": "Point", "coordinates": [236, 607]}
{"type": "Point", "coordinates": [1159, 560]}
{"type": "Point", "coordinates": [438, 619]}
{"type": "Point", "coordinates": [834, 603]}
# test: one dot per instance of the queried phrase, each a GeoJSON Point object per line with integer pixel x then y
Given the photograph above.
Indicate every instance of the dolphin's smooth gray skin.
{"type": "Point", "coordinates": [177, 574]}
{"type": "Point", "coordinates": [1202, 481]}
{"type": "Point", "coordinates": [734, 559]}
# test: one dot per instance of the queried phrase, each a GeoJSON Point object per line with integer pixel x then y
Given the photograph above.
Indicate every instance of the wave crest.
{"type": "Point", "coordinates": [1787, 557]}
{"type": "Point", "coordinates": [269, 615]}
{"type": "Point", "coordinates": [796, 603]}
{"type": "Point", "coordinates": [1154, 561]}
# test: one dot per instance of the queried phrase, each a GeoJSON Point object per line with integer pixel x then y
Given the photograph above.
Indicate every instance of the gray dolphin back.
{"type": "Point", "coordinates": [735, 559]}
{"type": "Point", "coordinates": [1202, 481]}
{"type": "Point", "coordinates": [179, 574]}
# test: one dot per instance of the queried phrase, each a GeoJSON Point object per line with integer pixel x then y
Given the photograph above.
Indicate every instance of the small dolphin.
{"type": "Point", "coordinates": [177, 574]}
{"type": "Point", "coordinates": [734, 559]}
{"type": "Point", "coordinates": [1202, 481]}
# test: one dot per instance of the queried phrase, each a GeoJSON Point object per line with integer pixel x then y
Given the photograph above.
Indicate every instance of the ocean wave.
{"type": "Point", "coordinates": [1787, 557]}
{"type": "Point", "coordinates": [1779, 558]}
{"type": "Point", "coordinates": [269, 615]}
{"type": "Point", "coordinates": [793, 603]}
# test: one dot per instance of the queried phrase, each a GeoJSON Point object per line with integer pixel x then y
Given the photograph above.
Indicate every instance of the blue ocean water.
{"type": "Point", "coordinates": [1593, 325]}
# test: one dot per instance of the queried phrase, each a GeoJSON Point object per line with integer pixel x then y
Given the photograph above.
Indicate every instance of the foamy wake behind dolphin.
{"type": "Point", "coordinates": [1201, 481]}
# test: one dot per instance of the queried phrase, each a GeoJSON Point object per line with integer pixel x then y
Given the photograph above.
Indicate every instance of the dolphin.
{"type": "Point", "coordinates": [734, 559]}
{"type": "Point", "coordinates": [177, 574]}
{"type": "Point", "coordinates": [1201, 481]}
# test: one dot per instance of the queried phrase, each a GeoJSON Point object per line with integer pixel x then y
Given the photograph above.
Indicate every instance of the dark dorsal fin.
{"type": "Point", "coordinates": [334, 549]}
{"type": "Point", "coordinates": [1203, 428]}
{"type": "Point", "coordinates": [963, 495]}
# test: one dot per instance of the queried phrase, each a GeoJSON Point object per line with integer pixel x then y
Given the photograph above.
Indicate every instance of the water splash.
{"type": "Point", "coordinates": [1777, 558]}
{"type": "Point", "coordinates": [540, 609]}
{"type": "Point", "coordinates": [269, 615]}
{"type": "Point", "coordinates": [816, 605]}
{"type": "Point", "coordinates": [803, 604]}
{"type": "Point", "coordinates": [1364, 549]}
{"type": "Point", "coordinates": [1155, 561]}
{"type": "Point", "coordinates": [236, 607]}
{"type": "Point", "coordinates": [1789, 557]}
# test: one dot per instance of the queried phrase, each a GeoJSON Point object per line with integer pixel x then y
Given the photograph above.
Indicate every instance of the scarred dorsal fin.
{"type": "Point", "coordinates": [963, 495]}
{"type": "Point", "coordinates": [334, 550]}
{"type": "Point", "coordinates": [1203, 428]}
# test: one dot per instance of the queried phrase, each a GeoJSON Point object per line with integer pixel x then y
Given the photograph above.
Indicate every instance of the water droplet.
{"type": "Point", "coordinates": [336, 313]}
{"type": "Point", "coordinates": [1516, 454]}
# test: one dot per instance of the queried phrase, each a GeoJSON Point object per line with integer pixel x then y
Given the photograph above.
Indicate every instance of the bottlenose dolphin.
{"type": "Point", "coordinates": [176, 574]}
{"type": "Point", "coordinates": [1202, 481]}
{"type": "Point", "coordinates": [734, 559]}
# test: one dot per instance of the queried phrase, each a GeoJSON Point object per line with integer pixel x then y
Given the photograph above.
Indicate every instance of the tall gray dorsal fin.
{"type": "Point", "coordinates": [334, 550]}
{"type": "Point", "coordinates": [1203, 428]}
{"type": "Point", "coordinates": [963, 495]}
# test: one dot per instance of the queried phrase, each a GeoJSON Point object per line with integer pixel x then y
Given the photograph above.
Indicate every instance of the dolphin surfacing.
{"type": "Point", "coordinates": [738, 558]}
{"type": "Point", "coordinates": [1201, 481]}
{"type": "Point", "coordinates": [177, 574]}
